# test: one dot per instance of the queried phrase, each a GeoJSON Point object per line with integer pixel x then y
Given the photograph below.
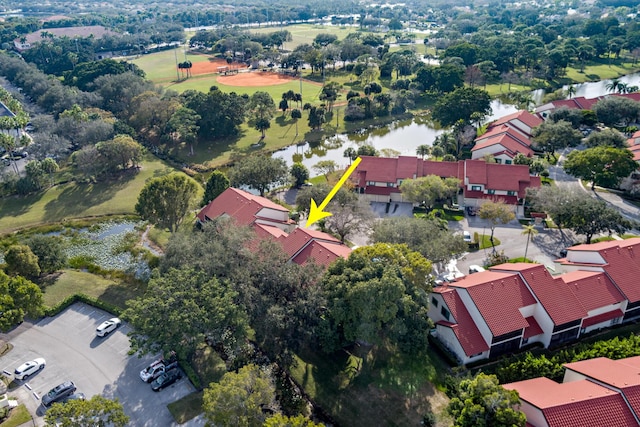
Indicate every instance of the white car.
{"type": "Point", "coordinates": [108, 326]}
{"type": "Point", "coordinates": [27, 369]}
{"type": "Point", "coordinates": [466, 236]}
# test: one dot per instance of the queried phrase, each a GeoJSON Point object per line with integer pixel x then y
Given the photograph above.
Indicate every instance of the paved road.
{"type": "Point", "coordinates": [96, 365]}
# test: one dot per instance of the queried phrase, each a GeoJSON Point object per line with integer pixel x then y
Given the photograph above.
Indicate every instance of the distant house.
{"type": "Point", "coordinates": [503, 143]}
{"type": "Point", "coordinates": [594, 393]}
{"type": "Point", "coordinates": [379, 178]}
{"type": "Point", "coordinates": [507, 137]}
{"type": "Point", "coordinates": [27, 41]}
{"type": "Point", "coordinates": [579, 103]}
{"type": "Point", "coordinates": [499, 311]}
{"type": "Point", "coordinates": [271, 221]}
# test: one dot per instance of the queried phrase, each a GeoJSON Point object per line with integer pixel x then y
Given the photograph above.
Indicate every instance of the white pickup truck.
{"type": "Point", "coordinates": [156, 369]}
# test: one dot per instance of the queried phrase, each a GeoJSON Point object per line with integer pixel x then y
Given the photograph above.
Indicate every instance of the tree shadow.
{"type": "Point", "coordinates": [593, 77]}
{"type": "Point", "coordinates": [19, 205]}
{"type": "Point", "coordinates": [76, 199]}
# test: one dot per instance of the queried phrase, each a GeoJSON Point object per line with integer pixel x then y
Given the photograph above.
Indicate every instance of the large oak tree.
{"type": "Point", "coordinates": [165, 201]}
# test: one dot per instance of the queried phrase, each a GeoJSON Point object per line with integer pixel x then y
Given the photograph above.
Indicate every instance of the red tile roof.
{"type": "Point", "coordinates": [300, 237]}
{"type": "Point", "coordinates": [504, 130]}
{"type": "Point", "coordinates": [391, 170]}
{"type": "Point", "coordinates": [602, 318]}
{"type": "Point", "coordinates": [507, 141]}
{"type": "Point", "coordinates": [622, 264]}
{"type": "Point", "coordinates": [244, 207]}
{"type": "Point", "coordinates": [524, 116]}
{"type": "Point", "coordinates": [556, 298]}
{"type": "Point", "coordinates": [615, 373]}
{"type": "Point", "coordinates": [498, 297]}
{"type": "Point", "coordinates": [322, 253]}
{"type": "Point", "coordinates": [592, 289]}
{"type": "Point", "coordinates": [464, 328]}
{"type": "Point", "coordinates": [300, 245]}
{"type": "Point", "coordinates": [575, 404]}
{"type": "Point", "coordinates": [533, 329]}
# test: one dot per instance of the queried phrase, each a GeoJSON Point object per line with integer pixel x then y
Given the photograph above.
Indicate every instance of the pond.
{"type": "Point", "coordinates": [403, 136]}
{"type": "Point", "coordinates": [406, 135]}
{"type": "Point", "coordinates": [107, 244]}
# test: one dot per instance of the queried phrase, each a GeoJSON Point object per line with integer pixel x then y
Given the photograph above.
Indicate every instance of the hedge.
{"type": "Point", "coordinates": [52, 311]}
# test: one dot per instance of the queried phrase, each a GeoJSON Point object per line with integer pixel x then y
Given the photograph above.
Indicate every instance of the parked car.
{"type": "Point", "coordinates": [466, 236]}
{"type": "Point", "coordinates": [27, 369]}
{"type": "Point", "coordinates": [58, 393]}
{"type": "Point", "coordinates": [156, 369]}
{"type": "Point", "coordinates": [166, 379]}
{"type": "Point", "coordinates": [108, 326]}
{"type": "Point", "coordinates": [472, 210]}
{"type": "Point", "coordinates": [475, 269]}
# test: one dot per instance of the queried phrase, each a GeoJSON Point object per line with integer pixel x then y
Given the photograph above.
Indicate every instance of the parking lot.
{"type": "Point", "coordinates": [72, 352]}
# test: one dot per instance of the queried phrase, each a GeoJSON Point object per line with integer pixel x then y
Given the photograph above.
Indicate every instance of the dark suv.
{"type": "Point", "coordinates": [166, 379]}
{"type": "Point", "coordinates": [58, 393]}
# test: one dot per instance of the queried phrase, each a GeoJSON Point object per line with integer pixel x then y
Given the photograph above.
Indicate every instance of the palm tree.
{"type": "Point", "coordinates": [612, 86]}
{"type": "Point", "coordinates": [529, 230]}
{"type": "Point", "coordinates": [571, 91]}
{"type": "Point", "coordinates": [437, 151]}
{"type": "Point", "coordinates": [423, 150]}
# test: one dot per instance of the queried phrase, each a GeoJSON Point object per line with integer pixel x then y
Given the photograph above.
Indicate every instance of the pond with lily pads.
{"type": "Point", "coordinates": [111, 246]}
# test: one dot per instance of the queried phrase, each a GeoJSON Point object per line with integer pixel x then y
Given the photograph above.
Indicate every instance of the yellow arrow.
{"type": "Point", "coordinates": [316, 213]}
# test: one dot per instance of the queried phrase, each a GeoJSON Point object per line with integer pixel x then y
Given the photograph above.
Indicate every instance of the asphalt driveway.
{"type": "Point", "coordinates": [96, 365]}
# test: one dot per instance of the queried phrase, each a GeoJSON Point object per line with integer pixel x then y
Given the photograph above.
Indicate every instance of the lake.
{"type": "Point", "coordinates": [406, 135]}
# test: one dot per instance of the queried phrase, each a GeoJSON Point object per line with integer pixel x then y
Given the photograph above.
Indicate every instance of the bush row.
{"type": "Point", "coordinates": [528, 365]}
{"type": "Point", "coordinates": [52, 311]}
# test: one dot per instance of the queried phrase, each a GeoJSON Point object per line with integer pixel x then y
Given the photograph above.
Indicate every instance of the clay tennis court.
{"type": "Point", "coordinates": [242, 77]}
{"type": "Point", "coordinates": [210, 66]}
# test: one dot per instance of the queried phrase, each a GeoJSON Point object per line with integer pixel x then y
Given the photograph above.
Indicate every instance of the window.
{"type": "Point", "coordinates": [434, 301]}
{"type": "Point", "coordinates": [508, 162]}
{"type": "Point", "coordinates": [498, 161]}
{"type": "Point", "coordinates": [476, 188]}
{"type": "Point", "coordinates": [511, 193]}
{"type": "Point", "coordinates": [445, 313]}
{"type": "Point", "coordinates": [491, 191]}
{"type": "Point", "coordinates": [390, 184]}
{"type": "Point", "coordinates": [371, 183]}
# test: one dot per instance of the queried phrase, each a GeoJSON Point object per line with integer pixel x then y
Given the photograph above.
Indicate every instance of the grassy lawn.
{"type": "Point", "coordinates": [161, 66]}
{"type": "Point", "coordinates": [601, 70]}
{"type": "Point", "coordinates": [18, 415]}
{"type": "Point", "coordinates": [72, 282]}
{"type": "Point", "coordinates": [186, 408]}
{"type": "Point", "coordinates": [305, 33]}
{"type": "Point", "coordinates": [72, 200]}
{"type": "Point", "coordinates": [346, 385]}
{"type": "Point", "coordinates": [210, 368]}
{"type": "Point", "coordinates": [310, 89]}
{"type": "Point", "coordinates": [485, 241]}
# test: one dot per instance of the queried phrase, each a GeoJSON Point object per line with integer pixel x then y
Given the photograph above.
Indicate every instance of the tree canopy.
{"type": "Point", "coordinates": [481, 401]}
{"type": "Point", "coordinates": [182, 308]}
{"type": "Point", "coordinates": [497, 212]}
{"type": "Point", "coordinates": [603, 165]}
{"type": "Point", "coordinates": [165, 201]}
{"type": "Point", "coordinates": [431, 237]}
{"type": "Point", "coordinates": [552, 136]}
{"type": "Point", "coordinates": [429, 189]}
{"type": "Point", "coordinates": [87, 413]}
{"type": "Point", "coordinates": [259, 172]}
{"type": "Point", "coordinates": [18, 298]}
{"type": "Point", "coordinates": [379, 293]}
{"type": "Point", "coordinates": [460, 105]}
{"type": "Point", "coordinates": [240, 399]}
{"type": "Point", "coordinates": [216, 184]}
